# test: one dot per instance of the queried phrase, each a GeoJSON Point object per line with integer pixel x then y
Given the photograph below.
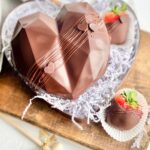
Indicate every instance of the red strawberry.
{"type": "Point", "coordinates": [115, 13]}
{"type": "Point", "coordinates": [126, 105]}
{"type": "Point", "coordinates": [111, 17]}
{"type": "Point", "coordinates": [120, 100]}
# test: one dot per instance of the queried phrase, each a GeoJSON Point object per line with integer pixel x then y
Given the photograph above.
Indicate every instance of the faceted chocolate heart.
{"type": "Point", "coordinates": [63, 57]}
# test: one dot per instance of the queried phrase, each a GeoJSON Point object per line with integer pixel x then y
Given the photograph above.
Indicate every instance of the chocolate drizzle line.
{"type": "Point", "coordinates": [51, 55]}
{"type": "Point", "coordinates": [74, 49]}
{"type": "Point", "coordinates": [72, 35]}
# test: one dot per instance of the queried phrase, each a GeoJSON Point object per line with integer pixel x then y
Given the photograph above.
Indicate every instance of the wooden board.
{"type": "Point", "coordinates": [14, 96]}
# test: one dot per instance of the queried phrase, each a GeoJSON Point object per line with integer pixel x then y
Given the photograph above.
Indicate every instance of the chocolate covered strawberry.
{"type": "Point", "coordinates": [115, 13]}
{"type": "Point", "coordinates": [125, 111]}
{"type": "Point", "coordinates": [117, 23]}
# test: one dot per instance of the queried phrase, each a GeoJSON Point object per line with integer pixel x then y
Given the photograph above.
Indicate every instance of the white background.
{"type": "Point", "coordinates": [12, 139]}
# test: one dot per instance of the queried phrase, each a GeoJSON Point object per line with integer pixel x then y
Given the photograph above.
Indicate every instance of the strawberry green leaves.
{"type": "Point", "coordinates": [124, 7]}
{"type": "Point", "coordinates": [119, 9]}
{"type": "Point", "coordinates": [131, 98]}
{"type": "Point", "coordinates": [127, 99]}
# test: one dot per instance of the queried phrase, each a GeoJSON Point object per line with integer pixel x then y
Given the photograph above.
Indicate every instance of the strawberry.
{"type": "Point", "coordinates": [111, 17]}
{"type": "Point", "coordinates": [115, 13]}
{"type": "Point", "coordinates": [127, 100]}
{"type": "Point", "coordinates": [121, 101]}
{"type": "Point", "coordinates": [125, 105]}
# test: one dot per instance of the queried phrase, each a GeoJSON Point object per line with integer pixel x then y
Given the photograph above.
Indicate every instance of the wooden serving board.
{"type": "Point", "coordinates": [14, 96]}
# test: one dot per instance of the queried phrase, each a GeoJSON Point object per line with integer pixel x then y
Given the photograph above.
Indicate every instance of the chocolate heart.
{"type": "Point", "coordinates": [63, 57]}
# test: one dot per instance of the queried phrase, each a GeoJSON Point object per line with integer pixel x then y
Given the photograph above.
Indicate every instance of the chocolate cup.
{"type": "Point", "coordinates": [121, 118]}
{"type": "Point", "coordinates": [118, 30]}
{"type": "Point", "coordinates": [63, 57]}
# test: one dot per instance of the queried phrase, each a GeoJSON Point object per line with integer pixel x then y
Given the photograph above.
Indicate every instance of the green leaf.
{"type": "Point", "coordinates": [124, 95]}
{"type": "Point", "coordinates": [124, 7]}
{"type": "Point", "coordinates": [116, 10]}
{"type": "Point", "coordinates": [131, 98]}
{"type": "Point", "coordinates": [133, 95]}
{"type": "Point", "coordinates": [119, 9]}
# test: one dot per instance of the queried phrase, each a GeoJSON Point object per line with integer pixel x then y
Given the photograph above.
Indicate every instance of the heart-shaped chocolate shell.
{"type": "Point", "coordinates": [63, 57]}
